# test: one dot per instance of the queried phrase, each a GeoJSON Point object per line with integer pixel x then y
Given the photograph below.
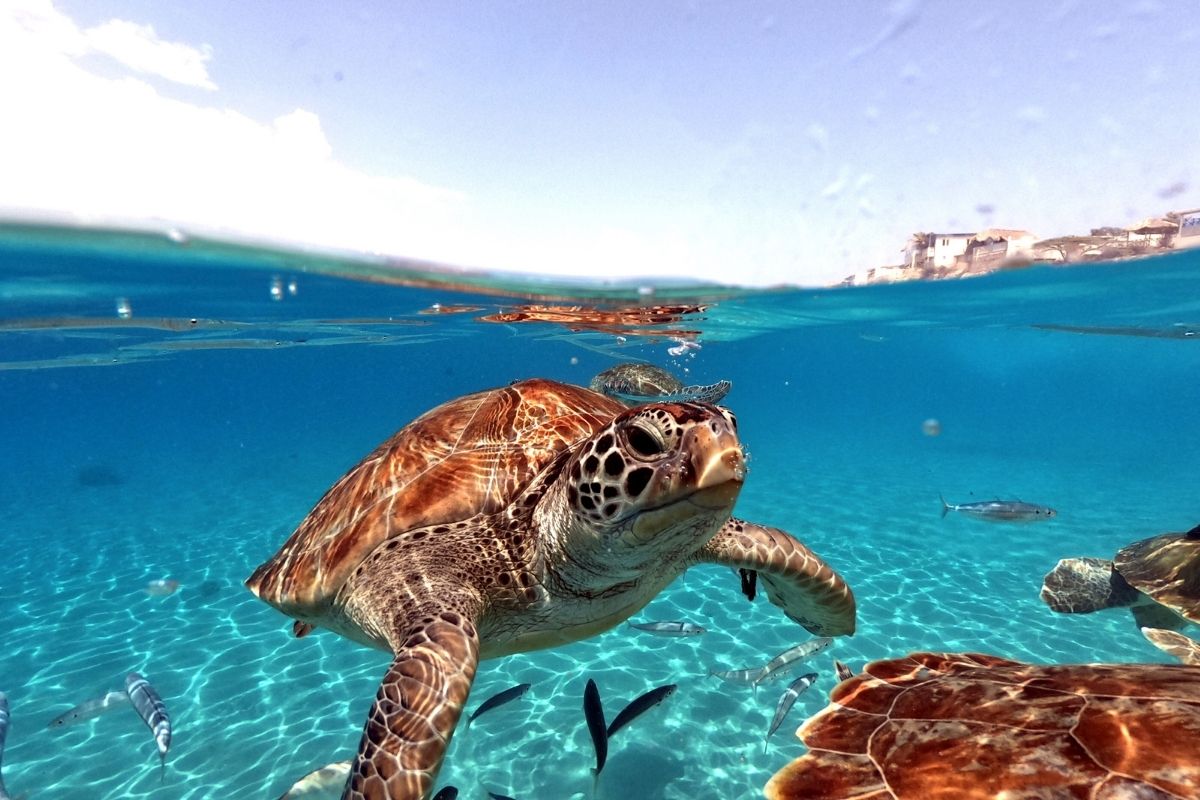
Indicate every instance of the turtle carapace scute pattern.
{"type": "Point", "coordinates": [977, 727]}
{"type": "Point", "coordinates": [515, 519]}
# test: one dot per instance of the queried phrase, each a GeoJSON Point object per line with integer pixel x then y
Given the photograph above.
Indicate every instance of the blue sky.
{"type": "Point", "coordinates": [745, 143]}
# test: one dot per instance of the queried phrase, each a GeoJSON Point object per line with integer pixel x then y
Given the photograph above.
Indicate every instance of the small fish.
{"type": "Point", "coordinates": [593, 712]}
{"type": "Point", "coordinates": [446, 793]}
{"type": "Point", "coordinates": [150, 707]}
{"type": "Point", "coordinates": [328, 781]}
{"type": "Point", "coordinates": [673, 628]}
{"type": "Point", "coordinates": [89, 709]}
{"type": "Point", "coordinates": [640, 706]}
{"type": "Point", "coordinates": [748, 676]}
{"type": "Point", "coordinates": [1000, 510]}
{"type": "Point", "coordinates": [788, 660]}
{"type": "Point", "coordinates": [786, 701]}
{"type": "Point", "coordinates": [498, 699]}
{"type": "Point", "coordinates": [301, 629]}
{"type": "Point", "coordinates": [494, 796]}
{"type": "Point", "coordinates": [844, 673]}
{"type": "Point", "coordinates": [3, 736]}
{"type": "Point", "coordinates": [162, 587]}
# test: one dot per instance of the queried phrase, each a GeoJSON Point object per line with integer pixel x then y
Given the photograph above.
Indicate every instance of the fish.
{"type": "Point", "coordinates": [672, 628]}
{"type": "Point", "coordinates": [446, 792]}
{"type": "Point", "coordinates": [788, 660]}
{"type": "Point", "coordinates": [494, 796]}
{"type": "Point", "coordinates": [150, 707]}
{"type": "Point", "coordinates": [3, 736]}
{"type": "Point", "coordinates": [593, 712]}
{"type": "Point", "coordinates": [326, 782]}
{"type": "Point", "coordinates": [640, 706]}
{"type": "Point", "coordinates": [89, 709]}
{"type": "Point", "coordinates": [786, 700]}
{"type": "Point", "coordinates": [162, 587]}
{"type": "Point", "coordinates": [777, 667]}
{"type": "Point", "coordinates": [1000, 510]}
{"type": "Point", "coordinates": [498, 699]}
{"type": "Point", "coordinates": [750, 675]}
{"type": "Point", "coordinates": [844, 673]}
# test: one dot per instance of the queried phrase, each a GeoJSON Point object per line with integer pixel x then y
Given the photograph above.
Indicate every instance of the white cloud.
{"type": "Point", "coordinates": [139, 48]}
{"type": "Point", "coordinates": [116, 150]}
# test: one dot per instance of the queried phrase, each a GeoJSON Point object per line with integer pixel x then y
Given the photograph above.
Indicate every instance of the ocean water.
{"type": "Point", "coordinates": [157, 447]}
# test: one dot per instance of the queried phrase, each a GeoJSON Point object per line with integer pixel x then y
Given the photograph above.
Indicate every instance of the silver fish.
{"type": "Point", "coordinates": [326, 782]}
{"type": "Point", "coordinates": [150, 707]}
{"type": "Point", "coordinates": [3, 736]}
{"type": "Point", "coordinates": [1000, 510]}
{"type": "Point", "coordinates": [788, 660]}
{"type": "Point", "coordinates": [777, 667]}
{"type": "Point", "coordinates": [786, 701]}
{"type": "Point", "coordinates": [672, 628]}
{"type": "Point", "coordinates": [89, 709]}
{"type": "Point", "coordinates": [747, 676]}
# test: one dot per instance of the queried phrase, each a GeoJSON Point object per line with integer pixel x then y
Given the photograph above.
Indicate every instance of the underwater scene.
{"type": "Point", "coordinates": [174, 408]}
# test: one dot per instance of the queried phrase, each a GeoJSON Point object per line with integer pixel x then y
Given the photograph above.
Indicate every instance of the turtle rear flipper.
{"type": "Point", "coordinates": [1184, 648]}
{"type": "Point", "coordinates": [794, 577]}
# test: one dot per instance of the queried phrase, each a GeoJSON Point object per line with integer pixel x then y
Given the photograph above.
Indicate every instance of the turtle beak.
{"type": "Point", "coordinates": [718, 463]}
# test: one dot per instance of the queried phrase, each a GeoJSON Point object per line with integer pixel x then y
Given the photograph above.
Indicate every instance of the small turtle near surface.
{"type": "Point", "coordinates": [966, 726]}
{"type": "Point", "coordinates": [516, 519]}
{"type": "Point", "coordinates": [635, 384]}
{"type": "Point", "coordinates": [1157, 578]}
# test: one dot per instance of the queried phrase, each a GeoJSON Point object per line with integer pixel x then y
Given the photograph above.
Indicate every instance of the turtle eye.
{"type": "Point", "coordinates": [644, 442]}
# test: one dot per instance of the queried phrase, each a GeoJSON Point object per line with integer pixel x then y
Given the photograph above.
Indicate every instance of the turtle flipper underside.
{"type": "Point", "coordinates": [418, 704]}
{"type": "Point", "coordinates": [794, 577]}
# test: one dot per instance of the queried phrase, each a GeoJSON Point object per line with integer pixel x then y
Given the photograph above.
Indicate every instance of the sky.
{"type": "Point", "coordinates": [742, 143]}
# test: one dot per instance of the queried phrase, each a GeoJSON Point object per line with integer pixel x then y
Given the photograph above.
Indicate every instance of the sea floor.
{"type": "Point", "coordinates": [254, 708]}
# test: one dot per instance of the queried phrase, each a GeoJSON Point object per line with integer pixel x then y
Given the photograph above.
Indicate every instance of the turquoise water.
{"type": "Point", "coordinates": [191, 450]}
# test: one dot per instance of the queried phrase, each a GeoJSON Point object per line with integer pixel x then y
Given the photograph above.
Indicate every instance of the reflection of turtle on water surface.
{"type": "Point", "coordinates": [1159, 578]}
{"type": "Point", "coordinates": [635, 384]}
{"type": "Point", "coordinates": [977, 727]}
{"type": "Point", "coordinates": [516, 519]}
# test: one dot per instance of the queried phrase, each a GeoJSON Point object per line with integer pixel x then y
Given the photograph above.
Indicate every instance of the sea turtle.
{"type": "Point", "coordinates": [971, 726]}
{"type": "Point", "coordinates": [635, 383]}
{"type": "Point", "coordinates": [514, 519]}
{"type": "Point", "coordinates": [1159, 578]}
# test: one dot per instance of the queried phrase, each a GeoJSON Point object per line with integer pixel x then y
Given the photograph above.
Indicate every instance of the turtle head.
{"type": "Point", "coordinates": [657, 482]}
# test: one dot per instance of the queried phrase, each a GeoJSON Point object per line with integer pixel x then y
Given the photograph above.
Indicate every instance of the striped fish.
{"type": "Point", "coordinates": [3, 735]}
{"type": "Point", "coordinates": [150, 707]}
{"type": "Point", "coordinates": [789, 697]}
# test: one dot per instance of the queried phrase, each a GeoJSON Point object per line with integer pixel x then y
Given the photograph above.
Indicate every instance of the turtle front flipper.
{"type": "Point", "coordinates": [418, 704]}
{"type": "Point", "coordinates": [794, 577]}
{"type": "Point", "coordinates": [709, 393]}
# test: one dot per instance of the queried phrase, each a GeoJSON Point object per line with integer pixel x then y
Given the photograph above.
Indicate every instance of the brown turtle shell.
{"type": "Point", "coordinates": [1167, 568]}
{"type": "Point", "coordinates": [936, 726]}
{"type": "Point", "coordinates": [468, 456]}
{"type": "Point", "coordinates": [633, 378]}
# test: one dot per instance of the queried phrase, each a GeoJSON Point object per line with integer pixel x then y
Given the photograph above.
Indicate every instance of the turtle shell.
{"type": "Point", "coordinates": [936, 726]}
{"type": "Point", "coordinates": [1167, 568]}
{"type": "Point", "coordinates": [644, 380]}
{"type": "Point", "coordinates": [468, 456]}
